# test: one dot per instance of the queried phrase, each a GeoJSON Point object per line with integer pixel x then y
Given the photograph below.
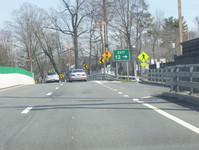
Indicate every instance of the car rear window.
{"type": "Point", "coordinates": [51, 73]}
{"type": "Point", "coordinates": [78, 70]}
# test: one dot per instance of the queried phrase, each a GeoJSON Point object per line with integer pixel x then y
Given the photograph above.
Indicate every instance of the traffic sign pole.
{"type": "Point", "coordinates": [116, 68]}
{"type": "Point", "coordinates": [122, 55]}
{"type": "Point", "coordinates": [127, 68]}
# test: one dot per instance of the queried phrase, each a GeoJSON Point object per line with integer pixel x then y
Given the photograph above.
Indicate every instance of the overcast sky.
{"type": "Point", "coordinates": [168, 7]}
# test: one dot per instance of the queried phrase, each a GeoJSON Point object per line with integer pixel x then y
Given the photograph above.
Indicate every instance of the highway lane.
{"type": "Point", "coordinates": [100, 115]}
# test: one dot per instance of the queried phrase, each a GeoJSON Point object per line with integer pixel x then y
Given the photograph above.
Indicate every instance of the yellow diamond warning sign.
{"type": "Point", "coordinates": [107, 55]}
{"type": "Point", "coordinates": [143, 56]}
{"type": "Point", "coordinates": [101, 60]}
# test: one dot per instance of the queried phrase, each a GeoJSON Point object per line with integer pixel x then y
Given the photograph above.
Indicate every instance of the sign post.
{"type": "Point", "coordinates": [122, 55]}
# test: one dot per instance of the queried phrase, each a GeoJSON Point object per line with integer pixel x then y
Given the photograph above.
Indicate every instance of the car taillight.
{"type": "Point", "coordinates": [83, 74]}
{"type": "Point", "coordinates": [72, 75]}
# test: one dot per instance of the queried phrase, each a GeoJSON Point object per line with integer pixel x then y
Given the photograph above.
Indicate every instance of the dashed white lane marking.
{"type": "Point", "coordinates": [126, 95]}
{"type": "Point", "coordinates": [120, 93]}
{"type": "Point", "coordinates": [175, 119]}
{"type": "Point", "coordinates": [98, 82]}
{"type": "Point", "coordinates": [146, 97]}
{"type": "Point", "coordinates": [135, 99]}
{"type": "Point", "coordinates": [61, 84]}
{"type": "Point", "coordinates": [27, 110]}
{"type": "Point", "coordinates": [49, 94]}
{"type": "Point", "coordinates": [57, 88]}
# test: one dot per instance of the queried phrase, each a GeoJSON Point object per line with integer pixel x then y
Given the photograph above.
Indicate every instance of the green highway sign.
{"type": "Point", "coordinates": [121, 55]}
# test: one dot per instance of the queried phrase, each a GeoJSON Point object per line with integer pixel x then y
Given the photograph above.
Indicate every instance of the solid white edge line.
{"type": "Point", "coordinates": [177, 120]}
{"type": "Point", "coordinates": [26, 110]}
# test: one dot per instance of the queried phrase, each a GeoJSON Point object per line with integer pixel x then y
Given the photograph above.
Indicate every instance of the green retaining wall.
{"type": "Point", "coordinates": [9, 70]}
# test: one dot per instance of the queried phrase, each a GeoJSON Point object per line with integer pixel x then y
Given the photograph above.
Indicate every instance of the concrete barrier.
{"type": "Point", "coordinates": [12, 76]}
{"type": "Point", "coordinates": [183, 97]}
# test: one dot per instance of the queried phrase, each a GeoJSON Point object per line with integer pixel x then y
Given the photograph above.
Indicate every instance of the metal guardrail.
{"type": "Point", "coordinates": [181, 78]}
{"type": "Point", "coordinates": [101, 76]}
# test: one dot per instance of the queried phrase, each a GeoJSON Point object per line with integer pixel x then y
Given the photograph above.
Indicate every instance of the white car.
{"type": "Point", "coordinates": [76, 75]}
{"type": "Point", "coordinates": [52, 77]}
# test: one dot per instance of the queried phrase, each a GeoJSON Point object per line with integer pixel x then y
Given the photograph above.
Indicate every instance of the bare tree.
{"type": "Point", "coordinates": [48, 43]}
{"type": "Point", "coordinates": [34, 41]}
{"type": "Point", "coordinates": [6, 49]}
{"type": "Point", "coordinates": [155, 31]}
{"type": "Point", "coordinates": [170, 37]}
{"type": "Point", "coordinates": [130, 21]}
{"type": "Point", "coordinates": [197, 23]}
{"type": "Point", "coordinates": [69, 21]}
{"type": "Point", "coordinates": [23, 32]}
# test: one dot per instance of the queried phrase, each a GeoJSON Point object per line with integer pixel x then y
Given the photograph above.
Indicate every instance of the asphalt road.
{"type": "Point", "coordinates": [95, 115]}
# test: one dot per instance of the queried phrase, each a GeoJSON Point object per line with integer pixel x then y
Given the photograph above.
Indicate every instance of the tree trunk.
{"type": "Point", "coordinates": [76, 50]}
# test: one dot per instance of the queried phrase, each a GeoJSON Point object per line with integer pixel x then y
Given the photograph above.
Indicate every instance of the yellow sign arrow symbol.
{"type": "Point", "coordinates": [101, 60]}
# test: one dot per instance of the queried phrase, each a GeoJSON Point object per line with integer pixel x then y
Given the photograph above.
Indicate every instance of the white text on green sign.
{"type": "Point", "coordinates": [121, 55]}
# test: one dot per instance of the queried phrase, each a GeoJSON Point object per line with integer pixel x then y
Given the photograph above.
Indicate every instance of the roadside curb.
{"type": "Point", "coordinates": [183, 97]}
{"type": "Point", "coordinates": [11, 87]}
{"type": "Point", "coordinates": [153, 83]}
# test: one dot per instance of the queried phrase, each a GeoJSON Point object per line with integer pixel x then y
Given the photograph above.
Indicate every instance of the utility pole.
{"type": "Point", "coordinates": [69, 59]}
{"type": "Point", "coordinates": [180, 25]}
{"type": "Point", "coordinates": [105, 25]}
{"type": "Point", "coordinates": [104, 30]}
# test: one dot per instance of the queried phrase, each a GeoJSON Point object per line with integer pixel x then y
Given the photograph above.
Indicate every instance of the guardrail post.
{"type": "Point", "coordinates": [191, 79]}
{"type": "Point", "coordinates": [172, 79]}
{"type": "Point", "coordinates": [177, 79]}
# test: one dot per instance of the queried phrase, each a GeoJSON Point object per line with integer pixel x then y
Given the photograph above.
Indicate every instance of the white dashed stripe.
{"type": "Point", "coordinates": [26, 110]}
